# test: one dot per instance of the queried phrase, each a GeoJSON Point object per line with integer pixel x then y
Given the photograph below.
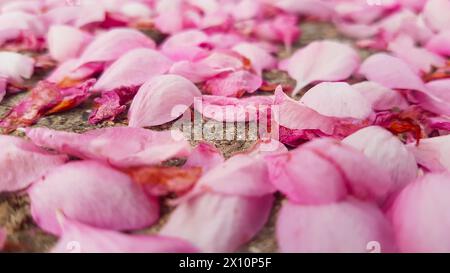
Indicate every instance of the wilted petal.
{"type": "Point", "coordinates": [381, 98]}
{"type": "Point", "coordinates": [133, 146]}
{"type": "Point", "coordinates": [45, 98]}
{"type": "Point", "coordinates": [321, 61]}
{"type": "Point", "coordinates": [111, 104]}
{"type": "Point", "coordinates": [80, 238]}
{"type": "Point", "coordinates": [23, 163]}
{"type": "Point", "coordinates": [219, 223]}
{"type": "Point", "coordinates": [161, 100]}
{"type": "Point", "coordinates": [436, 14]}
{"type": "Point", "coordinates": [421, 215]}
{"type": "Point", "coordinates": [65, 42]}
{"type": "Point", "coordinates": [433, 153]}
{"type": "Point", "coordinates": [347, 227]}
{"type": "Point", "coordinates": [337, 100]}
{"type": "Point", "coordinates": [94, 194]}
{"type": "Point", "coordinates": [133, 69]}
{"type": "Point", "coordinates": [380, 146]}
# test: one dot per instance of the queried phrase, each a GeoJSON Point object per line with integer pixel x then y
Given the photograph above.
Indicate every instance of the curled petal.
{"type": "Point", "coordinates": [93, 194]}
{"type": "Point", "coordinates": [133, 146]}
{"type": "Point", "coordinates": [259, 58]}
{"type": "Point", "coordinates": [80, 238]}
{"type": "Point", "coordinates": [420, 215]}
{"type": "Point", "coordinates": [161, 100]}
{"type": "Point", "coordinates": [347, 227]}
{"type": "Point", "coordinates": [23, 163]}
{"type": "Point", "coordinates": [321, 61]}
{"type": "Point", "coordinates": [205, 156]}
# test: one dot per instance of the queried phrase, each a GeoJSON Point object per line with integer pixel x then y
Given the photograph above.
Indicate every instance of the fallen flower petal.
{"type": "Point", "coordinates": [440, 43]}
{"type": "Point", "coordinates": [380, 146]}
{"type": "Point", "coordinates": [321, 61]}
{"type": "Point", "coordinates": [65, 42]}
{"type": "Point", "coordinates": [218, 223]}
{"type": "Point", "coordinates": [161, 100]}
{"type": "Point", "coordinates": [433, 153]}
{"type": "Point", "coordinates": [381, 98]}
{"type": "Point", "coordinates": [80, 238]}
{"type": "Point", "coordinates": [337, 100]}
{"type": "Point", "coordinates": [234, 84]}
{"type": "Point", "coordinates": [420, 215]}
{"type": "Point", "coordinates": [94, 194]}
{"type": "Point", "coordinates": [346, 227]}
{"type": "Point", "coordinates": [141, 148]}
{"type": "Point", "coordinates": [23, 163]}
{"type": "Point", "coordinates": [436, 16]}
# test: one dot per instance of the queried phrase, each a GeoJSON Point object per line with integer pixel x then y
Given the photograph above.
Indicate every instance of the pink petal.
{"type": "Point", "coordinates": [283, 28]}
{"type": "Point", "coordinates": [133, 146]}
{"type": "Point", "coordinates": [213, 65]}
{"type": "Point", "coordinates": [322, 61]}
{"type": "Point", "coordinates": [391, 72]}
{"type": "Point", "coordinates": [419, 59]}
{"type": "Point", "coordinates": [294, 115]}
{"type": "Point", "coordinates": [94, 194]}
{"type": "Point", "coordinates": [186, 45]}
{"type": "Point", "coordinates": [234, 84]}
{"type": "Point", "coordinates": [421, 216]}
{"type": "Point", "coordinates": [22, 163]}
{"type": "Point", "coordinates": [233, 109]}
{"type": "Point", "coordinates": [65, 42]}
{"type": "Point", "coordinates": [346, 227]}
{"type": "Point", "coordinates": [337, 100]}
{"type": "Point", "coordinates": [133, 69]}
{"type": "Point", "coordinates": [381, 98]}
{"type": "Point", "coordinates": [316, 8]}
{"type": "Point", "coordinates": [440, 43]}
{"type": "Point", "coordinates": [206, 156]}
{"type": "Point", "coordinates": [433, 153]}
{"type": "Point", "coordinates": [306, 178]}
{"type": "Point", "coordinates": [80, 238]}
{"type": "Point", "coordinates": [161, 100]}
{"type": "Point", "coordinates": [170, 17]}
{"type": "Point", "coordinates": [15, 66]}
{"type": "Point", "coordinates": [439, 89]}
{"type": "Point", "coordinates": [83, 14]}
{"type": "Point", "coordinates": [380, 146]}
{"type": "Point", "coordinates": [436, 14]}
{"type": "Point", "coordinates": [111, 45]}
{"type": "Point", "coordinates": [259, 58]}
{"type": "Point", "coordinates": [3, 86]}
{"type": "Point", "coordinates": [219, 223]}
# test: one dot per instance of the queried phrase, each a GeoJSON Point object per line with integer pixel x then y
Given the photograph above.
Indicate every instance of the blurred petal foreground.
{"type": "Point", "coordinates": [225, 126]}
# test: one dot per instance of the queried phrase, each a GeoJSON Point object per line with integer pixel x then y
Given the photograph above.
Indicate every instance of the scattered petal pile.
{"type": "Point", "coordinates": [355, 145]}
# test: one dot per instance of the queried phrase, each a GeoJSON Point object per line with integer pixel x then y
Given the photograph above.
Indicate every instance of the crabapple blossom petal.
{"type": "Point", "coordinates": [65, 42]}
{"type": "Point", "coordinates": [93, 194]}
